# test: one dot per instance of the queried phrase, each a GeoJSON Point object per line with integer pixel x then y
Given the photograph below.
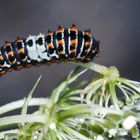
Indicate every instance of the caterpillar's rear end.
{"type": "Point", "coordinates": [68, 44]}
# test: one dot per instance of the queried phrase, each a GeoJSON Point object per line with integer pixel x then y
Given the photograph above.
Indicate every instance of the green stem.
{"type": "Point", "coordinates": [113, 95]}
{"type": "Point", "coordinates": [53, 134]}
{"type": "Point", "coordinates": [73, 110]}
{"type": "Point", "coordinates": [93, 66]}
{"type": "Point", "coordinates": [72, 132]}
{"type": "Point", "coordinates": [123, 91]}
{"type": "Point", "coordinates": [130, 84]}
{"type": "Point", "coordinates": [98, 109]}
{"type": "Point", "coordinates": [58, 135]}
{"type": "Point", "coordinates": [21, 119]}
{"type": "Point", "coordinates": [27, 100]}
{"type": "Point", "coordinates": [55, 95]}
{"type": "Point", "coordinates": [18, 104]}
{"type": "Point", "coordinates": [2, 134]}
{"type": "Point", "coordinates": [111, 73]}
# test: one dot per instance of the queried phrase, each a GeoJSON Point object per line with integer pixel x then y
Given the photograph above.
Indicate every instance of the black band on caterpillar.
{"type": "Point", "coordinates": [68, 44]}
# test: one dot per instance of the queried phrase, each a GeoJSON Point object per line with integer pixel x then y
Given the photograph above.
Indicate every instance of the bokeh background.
{"type": "Point", "coordinates": [115, 23]}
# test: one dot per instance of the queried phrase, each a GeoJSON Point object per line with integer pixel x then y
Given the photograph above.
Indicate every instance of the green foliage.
{"type": "Point", "coordinates": [79, 111]}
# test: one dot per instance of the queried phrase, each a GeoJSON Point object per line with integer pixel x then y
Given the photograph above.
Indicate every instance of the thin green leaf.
{"type": "Point", "coordinates": [16, 119]}
{"type": "Point", "coordinates": [72, 90]}
{"type": "Point", "coordinates": [57, 91]}
{"type": "Point", "coordinates": [18, 104]}
{"type": "Point", "coordinates": [73, 132]}
{"type": "Point", "coordinates": [93, 66]}
{"type": "Point", "coordinates": [25, 105]}
{"type": "Point", "coordinates": [113, 95]}
{"type": "Point", "coordinates": [11, 132]}
{"type": "Point", "coordinates": [53, 134]}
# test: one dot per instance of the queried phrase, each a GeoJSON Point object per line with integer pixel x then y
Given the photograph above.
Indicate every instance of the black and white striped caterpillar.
{"type": "Point", "coordinates": [65, 44]}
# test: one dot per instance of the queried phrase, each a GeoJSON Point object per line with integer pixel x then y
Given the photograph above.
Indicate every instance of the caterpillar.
{"type": "Point", "coordinates": [65, 44]}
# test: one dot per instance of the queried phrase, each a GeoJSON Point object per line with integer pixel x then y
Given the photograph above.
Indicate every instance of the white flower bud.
{"type": "Point", "coordinates": [129, 122]}
{"type": "Point", "coordinates": [122, 132]}
{"type": "Point", "coordinates": [99, 137]}
{"type": "Point", "coordinates": [112, 133]}
{"type": "Point", "coordinates": [81, 120]}
{"type": "Point", "coordinates": [52, 126]}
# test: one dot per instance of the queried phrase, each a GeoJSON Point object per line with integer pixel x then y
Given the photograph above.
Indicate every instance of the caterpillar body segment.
{"type": "Point", "coordinates": [65, 44]}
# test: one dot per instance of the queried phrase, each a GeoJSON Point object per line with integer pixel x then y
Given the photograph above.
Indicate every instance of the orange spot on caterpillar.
{"type": "Point", "coordinates": [49, 62]}
{"type": "Point", "coordinates": [18, 67]}
{"type": "Point", "coordinates": [62, 52]}
{"type": "Point", "coordinates": [50, 45]}
{"type": "Point", "coordinates": [73, 28]}
{"type": "Point", "coordinates": [7, 43]}
{"type": "Point", "coordinates": [14, 62]}
{"type": "Point", "coordinates": [1, 58]}
{"type": "Point", "coordinates": [60, 30]}
{"type": "Point", "coordinates": [10, 53]}
{"type": "Point", "coordinates": [57, 60]}
{"type": "Point", "coordinates": [21, 50]}
{"type": "Point", "coordinates": [73, 42]}
{"type": "Point", "coordinates": [87, 43]}
{"type": "Point", "coordinates": [88, 33]}
{"type": "Point", "coordinates": [73, 51]}
{"type": "Point", "coordinates": [2, 72]}
{"type": "Point", "coordinates": [50, 33]}
{"type": "Point", "coordinates": [60, 42]}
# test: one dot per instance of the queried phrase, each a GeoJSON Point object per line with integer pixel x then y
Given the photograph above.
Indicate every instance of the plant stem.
{"type": "Point", "coordinates": [93, 66]}
{"type": "Point", "coordinates": [2, 134]}
{"type": "Point", "coordinates": [18, 104]}
{"type": "Point", "coordinates": [72, 132]}
{"type": "Point", "coordinates": [27, 100]}
{"type": "Point", "coordinates": [21, 119]}
{"type": "Point", "coordinates": [113, 95]}
{"type": "Point", "coordinates": [112, 72]}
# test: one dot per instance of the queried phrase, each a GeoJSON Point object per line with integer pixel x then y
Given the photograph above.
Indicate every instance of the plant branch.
{"type": "Point", "coordinates": [21, 119]}
{"type": "Point", "coordinates": [18, 104]}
